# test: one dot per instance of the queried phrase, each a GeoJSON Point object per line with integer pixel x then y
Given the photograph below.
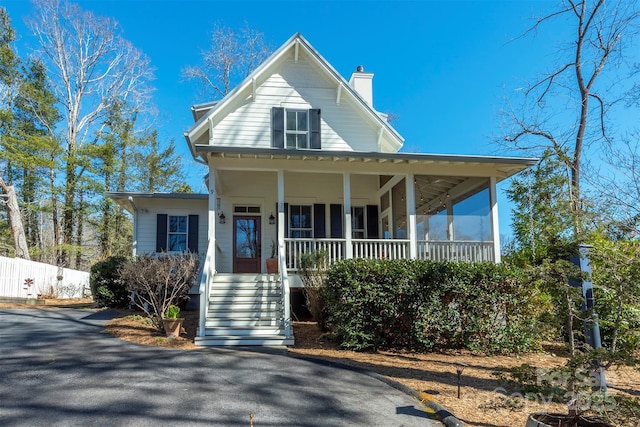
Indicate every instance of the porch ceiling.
{"type": "Point", "coordinates": [432, 192]}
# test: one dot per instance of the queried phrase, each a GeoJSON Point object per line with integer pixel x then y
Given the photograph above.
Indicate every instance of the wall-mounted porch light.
{"type": "Point", "coordinates": [222, 218]}
{"type": "Point", "coordinates": [272, 219]}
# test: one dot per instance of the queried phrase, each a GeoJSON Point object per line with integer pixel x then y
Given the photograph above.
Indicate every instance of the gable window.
{"type": "Point", "coordinates": [295, 128]}
{"type": "Point", "coordinates": [176, 233]}
{"type": "Point", "coordinates": [300, 221]}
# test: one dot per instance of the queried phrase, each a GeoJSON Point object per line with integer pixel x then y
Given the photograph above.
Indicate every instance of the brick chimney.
{"type": "Point", "coordinates": [363, 84]}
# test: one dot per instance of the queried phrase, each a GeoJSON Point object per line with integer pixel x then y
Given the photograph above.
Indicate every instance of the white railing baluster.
{"type": "Point", "coordinates": [437, 250]}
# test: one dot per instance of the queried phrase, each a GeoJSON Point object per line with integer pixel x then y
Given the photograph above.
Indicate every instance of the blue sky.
{"type": "Point", "coordinates": [445, 67]}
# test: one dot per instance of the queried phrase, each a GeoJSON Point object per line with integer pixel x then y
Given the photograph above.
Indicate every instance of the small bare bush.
{"type": "Point", "coordinates": [313, 272]}
{"type": "Point", "coordinates": [158, 282]}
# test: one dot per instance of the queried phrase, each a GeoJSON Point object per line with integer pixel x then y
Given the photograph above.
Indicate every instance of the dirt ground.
{"type": "Point", "coordinates": [482, 402]}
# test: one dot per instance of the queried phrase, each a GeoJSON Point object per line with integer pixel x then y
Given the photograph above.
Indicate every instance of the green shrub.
{"type": "Point", "coordinates": [418, 305]}
{"type": "Point", "coordinates": [107, 288]}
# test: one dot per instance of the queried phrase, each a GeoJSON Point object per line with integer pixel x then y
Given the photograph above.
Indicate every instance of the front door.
{"type": "Point", "coordinates": [246, 244]}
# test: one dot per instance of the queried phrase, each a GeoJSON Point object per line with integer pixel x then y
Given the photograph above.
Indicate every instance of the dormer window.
{"type": "Point", "coordinates": [295, 128]}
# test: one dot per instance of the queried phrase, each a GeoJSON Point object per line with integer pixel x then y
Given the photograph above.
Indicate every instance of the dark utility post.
{"type": "Point", "coordinates": [591, 327]}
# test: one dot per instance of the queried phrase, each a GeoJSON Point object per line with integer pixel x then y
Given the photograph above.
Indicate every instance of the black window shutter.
{"type": "Point", "coordinates": [372, 222]}
{"type": "Point", "coordinates": [277, 127]}
{"type": "Point", "coordinates": [319, 227]}
{"type": "Point", "coordinates": [314, 128]}
{"type": "Point", "coordinates": [161, 232]}
{"type": "Point", "coordinates": [286, 219]}
{"type": "Point", "coordinates": [335, 212]}
{"type": "Point", "coordinates": [192, 238]}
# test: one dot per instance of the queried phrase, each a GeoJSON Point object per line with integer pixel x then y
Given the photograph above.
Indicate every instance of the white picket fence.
{"type": "Point", "coordinates": [20, 278]}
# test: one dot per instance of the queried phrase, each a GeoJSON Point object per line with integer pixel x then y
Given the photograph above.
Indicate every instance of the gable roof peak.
{"type": "Point", "coordinates": [296, 42]}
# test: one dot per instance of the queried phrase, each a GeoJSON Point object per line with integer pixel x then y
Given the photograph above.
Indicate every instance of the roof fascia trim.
{"type": "Point", "coordinates": [526, 161]}
{"type": "Point", "coordinates": [184, 196]}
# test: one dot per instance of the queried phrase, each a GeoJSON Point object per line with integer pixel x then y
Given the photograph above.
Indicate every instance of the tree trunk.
{"type": "Point", "coordinates": [68, 211]}
{"type": "Point", "coordinates": [79, 231]}
{"type": "Point", "coordinates": [572, 344]}
{"type": "Point", "coordinates": [616, 328]}
{"type": "Point", "coordinates": [15, 221]}
{"type": "Point", "coordinates": [54, 217]}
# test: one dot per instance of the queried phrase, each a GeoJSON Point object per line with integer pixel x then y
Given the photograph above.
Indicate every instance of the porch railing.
{"type": "Point", "coordinates": [380, 248]}
{"type": "Point", "coordinates": [208, 269]}
{"type": "Point", "coordinates": [295, 247]}
{"type": "Point", "coordinates": [465, 251]}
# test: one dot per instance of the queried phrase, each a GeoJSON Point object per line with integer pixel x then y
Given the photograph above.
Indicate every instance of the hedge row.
{"type": "Point", "coordinates": [421, 305]}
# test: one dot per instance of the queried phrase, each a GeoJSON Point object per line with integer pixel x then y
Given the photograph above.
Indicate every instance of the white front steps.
{"type": "Point", "coordinates": [243, 310]}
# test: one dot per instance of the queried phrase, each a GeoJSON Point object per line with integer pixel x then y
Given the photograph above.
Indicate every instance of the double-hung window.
{"type": "Point", "coordinates": [177, 233]}
{"type": "Point", "coordinates": [295, 128]}
{"type": "Point", "coordinates": [300, 221]}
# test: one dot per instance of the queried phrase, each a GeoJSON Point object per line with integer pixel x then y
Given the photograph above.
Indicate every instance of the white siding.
{"type": "Point", "coordinates": [147, 220]}
{"type": "Point", "coordinates": [260, 189]}
{"type": "Point", "coordinates": [343, 127]}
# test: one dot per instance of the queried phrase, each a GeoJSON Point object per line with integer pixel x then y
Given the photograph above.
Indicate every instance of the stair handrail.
{"type": "Point", "coordinates": [203, 289]}
{"type": "Point", "coordinates": [284, 277]}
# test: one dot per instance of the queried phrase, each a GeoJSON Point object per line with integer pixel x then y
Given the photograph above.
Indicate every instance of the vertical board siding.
{"type": "Point", "coordinates": [15, 271]}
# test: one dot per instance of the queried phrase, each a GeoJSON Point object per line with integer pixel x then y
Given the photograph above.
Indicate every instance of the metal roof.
{"type": "Point", "coordinates": [297, 154]}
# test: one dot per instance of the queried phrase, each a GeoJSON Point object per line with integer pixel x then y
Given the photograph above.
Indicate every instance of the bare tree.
{"type": "Point", "coordinates": [15, 220]}
{"type": "Point", "coordinates": [619, 177]}
{"type": "Point", "coordinates": [91, 66]}
{"type": "Point", "coordinates": [566, 110]}
{"type": "Point", "coordinates": [230, 58]}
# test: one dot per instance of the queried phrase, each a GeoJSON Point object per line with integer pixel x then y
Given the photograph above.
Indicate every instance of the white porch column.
{"type": "Point", "coordinates": [449, 206]}
{"type": "Point", "coordinates": [495, 225]}
{"type": "Point", "coordinates": [282, 263]}
{"type": "Point", "coordinates": [281, 213]}
{"type": "Point", "coordinates": [213, 204]}
{"type": "Point", "coordinates": [347, 214]}
{"type": "Point", "coordinates": [411, 216]}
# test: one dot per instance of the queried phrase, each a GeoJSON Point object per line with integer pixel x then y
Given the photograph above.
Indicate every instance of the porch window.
{"type": "Point", "coordinates": [295, 128]}
{"type": "Point", "coordinates": [246, 209]}
{"type": "Point", "coordinates": [358, 222]}
{"type": "Point", "coordinates": [300, 221]}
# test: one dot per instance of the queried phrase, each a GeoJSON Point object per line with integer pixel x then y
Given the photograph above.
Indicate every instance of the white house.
{"type": "Point", "coordinates": [300, 159]}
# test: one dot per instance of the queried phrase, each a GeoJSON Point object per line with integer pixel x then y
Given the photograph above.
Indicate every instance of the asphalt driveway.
{"type": "Point", "coordinates": [59, 368]}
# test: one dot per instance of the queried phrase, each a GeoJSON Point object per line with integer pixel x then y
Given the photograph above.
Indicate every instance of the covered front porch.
{"type": "Point", "coordinates": [353, 205]}
{"type": "Point", "coordinates": [266, 203]}
{"type": "Point", "coordinates": [429, 217]}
